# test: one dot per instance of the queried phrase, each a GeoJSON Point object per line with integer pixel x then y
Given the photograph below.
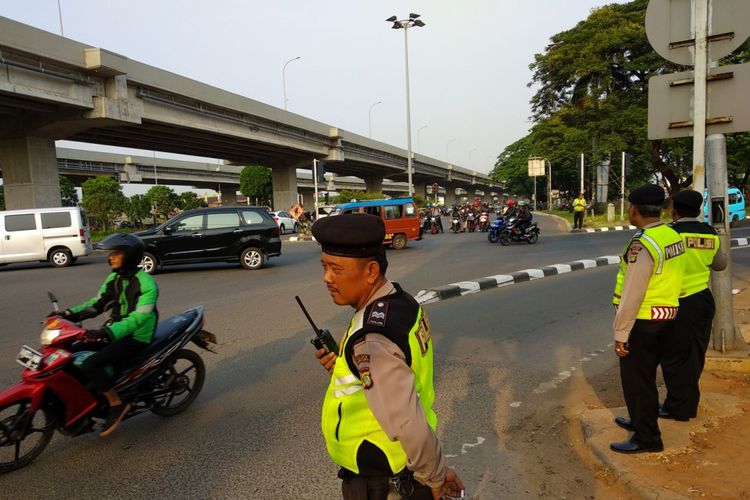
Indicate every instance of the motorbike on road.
{"type": "Point", "coordinates": [53, 393]}
{"type": "Point", "coordinates": [496, 227]}
{"type": "Point", "coordinates": [513, 233]}
{"type": "Point", "coordinates": [456, 223]}
{"type": "Point", "coordinates": [471, 222]}
{"type": "Point", "coordinates": [484, 222]}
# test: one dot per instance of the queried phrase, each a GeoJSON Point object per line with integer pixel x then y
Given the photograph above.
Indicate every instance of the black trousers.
{"type": "Point", "coordinates": [683, 370]}
{"type": "Point", "coordinates": [356, 487]}
{"type": "Point", "coordinates": [112, 354]}
{"type": "Point", "coordinates": [649, 342]}
{"type": "Point", "coordinates": [578, 220]}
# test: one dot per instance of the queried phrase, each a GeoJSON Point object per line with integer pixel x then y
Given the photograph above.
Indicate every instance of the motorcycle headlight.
{"type": "Point", "coordinates": [49, 336]}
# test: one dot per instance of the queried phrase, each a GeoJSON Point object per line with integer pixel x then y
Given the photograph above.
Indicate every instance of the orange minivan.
{"type": "Point", "coordinates": [399, 215]}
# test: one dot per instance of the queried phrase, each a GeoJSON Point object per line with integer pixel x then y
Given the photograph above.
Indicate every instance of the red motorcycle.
{"type": "Point", "coordinates": [53, 393]}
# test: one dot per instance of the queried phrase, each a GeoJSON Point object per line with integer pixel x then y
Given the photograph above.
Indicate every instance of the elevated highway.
{"type": "Point", "coordinates": [55, 88]}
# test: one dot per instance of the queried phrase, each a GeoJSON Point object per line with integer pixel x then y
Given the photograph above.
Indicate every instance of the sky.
{"type": "Point", "coordinates": [468, 66]}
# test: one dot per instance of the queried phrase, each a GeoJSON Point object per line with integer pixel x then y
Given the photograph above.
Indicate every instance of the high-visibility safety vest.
{"type": "Point", "coordinates": [667, 250]}
{"type": "Point", "coordinates": [701, 246]}
{"type": "Point", "coordinates": [347, 421]}
{"type": "Point", "coordinates": [579, 205]}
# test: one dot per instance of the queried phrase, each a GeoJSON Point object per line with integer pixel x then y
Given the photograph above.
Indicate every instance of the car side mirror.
{"type": "Point", "coordinates": [168, 230]}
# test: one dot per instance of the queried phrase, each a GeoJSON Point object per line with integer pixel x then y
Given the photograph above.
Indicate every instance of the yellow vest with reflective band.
{"type": "Point", "coordinates": [579, 205]}
{"type": "Point", "coordinates": [701, 246]}
{"type": "Point", "coordinates": [347, 420]}
{"type": "Point", "coordinates": [667, 250]}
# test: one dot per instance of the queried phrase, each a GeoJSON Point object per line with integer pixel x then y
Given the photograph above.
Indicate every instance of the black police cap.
{"type": "Point", "coordinates": [689, 199]}
{"type": "Point", "coordinates": [350, 235]}
{"type": "Point", "coordinates": [648, 194]}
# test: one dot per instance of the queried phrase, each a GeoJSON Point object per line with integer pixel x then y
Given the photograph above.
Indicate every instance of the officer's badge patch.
{"type": "Point", "coordinates": [635, 249]}
{"type": "Point", "coordinates": [362, 359]}
{"type": "Point", "coordinates": [364, 376]}
{"type": "Point", "coordinates": [378, 314]}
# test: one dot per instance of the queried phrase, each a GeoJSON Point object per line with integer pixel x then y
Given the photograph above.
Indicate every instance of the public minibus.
{"type": "Point", "coordinates": [736, 206]}
{"type": "Point", "coordinates": [399, 215]}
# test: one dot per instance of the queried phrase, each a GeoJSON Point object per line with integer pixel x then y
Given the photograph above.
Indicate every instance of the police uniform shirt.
{"type": "Point", "coordinates": [719, 262]}
{"type": "Point", "coordinates": [393, 400]}
{"type": "Point", "coordinates": [640, 267]}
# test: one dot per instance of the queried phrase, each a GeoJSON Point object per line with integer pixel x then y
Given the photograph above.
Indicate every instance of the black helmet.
{"type": "Point", "coordinates": [129, 244]}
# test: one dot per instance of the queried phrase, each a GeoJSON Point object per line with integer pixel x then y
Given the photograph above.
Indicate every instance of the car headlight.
{"type": "Point", "coordinates": [49, 336]}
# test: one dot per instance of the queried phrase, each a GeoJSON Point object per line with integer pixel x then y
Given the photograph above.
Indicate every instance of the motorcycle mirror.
{"type": "Point", "coordinates": [53, 299]}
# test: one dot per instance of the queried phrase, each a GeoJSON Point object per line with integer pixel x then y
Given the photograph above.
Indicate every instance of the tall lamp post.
{"type": "Point", "coordinates": [369, 115]}
{"type": "Point", "coordinates": [405, 24]}
{"type": "Point", "coordinates": [283, 77]}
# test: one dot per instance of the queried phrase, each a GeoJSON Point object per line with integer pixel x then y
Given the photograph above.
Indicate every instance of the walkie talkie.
{"type": "Point", "coordinates": [323, 338]}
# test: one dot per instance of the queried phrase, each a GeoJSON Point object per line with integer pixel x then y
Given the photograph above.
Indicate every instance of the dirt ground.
{"type": "Point", "coordinates": [716, 463]}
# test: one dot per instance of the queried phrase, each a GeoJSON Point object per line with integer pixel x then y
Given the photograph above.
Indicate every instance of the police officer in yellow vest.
{"type": "Point", "coordinates": [646, 297]}
{"type": "Point", "coordinates": [378, 421]}
{"type": "Point", "coordinates": [579, 207]}
{"type": "Point", "coordinates": [696, 313]}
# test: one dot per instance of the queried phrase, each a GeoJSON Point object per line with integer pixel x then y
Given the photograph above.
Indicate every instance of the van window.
{"type": "Point", "coordinates": [24, 222]}
{"type": "Point", "coordinates": [193, 223]}
{"type": "Point", "coordinates": [55, 219]}
{"type": "Point", "coordinates": [222, 219]}
{"type": "Point", "coordinates": [393, 211]}
{"type": "Point", "coordinates": [410, 212]}
{"type": "Point", "coordinates": [735, 198]}
{"type": "Point", "coordinates": [372, 211]}
{"type": "Point", "coordinates": [252, 217]}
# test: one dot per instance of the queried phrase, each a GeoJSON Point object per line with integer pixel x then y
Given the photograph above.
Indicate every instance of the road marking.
{"type": "Point", "coordinates": [461, 288]}
{"type": "Point", "coordinates": [515, 404]}
{"type": "Point", "coordinates": [480, 441]}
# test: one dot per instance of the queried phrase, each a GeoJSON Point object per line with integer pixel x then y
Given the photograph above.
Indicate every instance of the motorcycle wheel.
{"type": "Point", "coordinates": [532, 238]}
{"type": "Point", "coordinates": [435, 228]}
{"type": "Point", "coordinates": [505, 238]}
{"type": "Point", "coordinates": [179, 383]}
{"type": "Point", "coordinates": [22, 436]}
{"type": "Point", "coordinates": [492, 237]}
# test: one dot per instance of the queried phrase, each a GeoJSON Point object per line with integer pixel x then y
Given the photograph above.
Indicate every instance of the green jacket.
{"type": "Point", "coordinates": [131, 300]}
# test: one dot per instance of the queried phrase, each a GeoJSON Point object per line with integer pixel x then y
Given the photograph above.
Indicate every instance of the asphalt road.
{"type": "Point", "coordinates": [501, 357]}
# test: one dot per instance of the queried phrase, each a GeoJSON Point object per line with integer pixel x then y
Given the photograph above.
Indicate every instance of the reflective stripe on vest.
{"type": "Point", "coordinates": [667, 250]}
{"type": "Point", "coordinates": [347, 420]}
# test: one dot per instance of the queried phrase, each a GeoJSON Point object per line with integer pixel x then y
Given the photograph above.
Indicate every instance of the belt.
{"type": "Point", "coordinates": [402, 483]}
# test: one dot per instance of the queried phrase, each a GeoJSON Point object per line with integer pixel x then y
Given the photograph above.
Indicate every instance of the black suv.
{"type": "Point", "coordinates": [221, 234]}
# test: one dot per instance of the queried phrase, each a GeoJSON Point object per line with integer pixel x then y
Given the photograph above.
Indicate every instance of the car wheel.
{"type": "Point", "coordinates": [60, 257]}
{"type": "Point", "coordinates": [296, 228]}
{"type": "Point", "coordinates": [282, 229]}
{"type": "Point", "coordinates": [149, 264]}
{"type": "Point", "coordinates": [734, 221]}
{"type": "Point", "coordinates": [252, 258]}
{"type": "Point", "coordinates": [399, 242]}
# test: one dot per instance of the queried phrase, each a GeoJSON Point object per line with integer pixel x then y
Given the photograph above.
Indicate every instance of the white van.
{"type": "Point", "coordinates": [58, 235]}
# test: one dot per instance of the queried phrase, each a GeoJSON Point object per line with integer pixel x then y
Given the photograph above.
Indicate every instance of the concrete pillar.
{"type": "Point", "coordinates": [228, 194]}
{"type": "Point", "coordinates": [30, 177]}
{"type": "Point", "coordinates": [284, 187]}
{"type": "Point", "coordinates": [373, 184]}
{"type": "Point", "coordinates": [420, 188]}
{"type": "Point", "coordinates": [450, 195]}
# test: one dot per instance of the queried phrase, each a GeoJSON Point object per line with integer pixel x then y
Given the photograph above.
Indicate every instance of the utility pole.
{"type": "Point", "coordinates": [315, 181]}
{"type": "Point", "coordinates": [700, 13]}
{"type": "Point", "coordinates": [622, 189]}
{"type": "Point", "coordinates": [725, 336]}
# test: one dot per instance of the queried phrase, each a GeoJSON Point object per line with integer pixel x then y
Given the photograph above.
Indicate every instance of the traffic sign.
{"type": "Point", "coordinates": [669, 27]}
{"type": "Point", "coordinates": [670, 102]}
{"type": "Point", "coordinates": [536, 167]}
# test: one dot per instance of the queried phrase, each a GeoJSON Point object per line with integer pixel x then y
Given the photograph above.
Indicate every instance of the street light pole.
{"type": "Point", "coordinates": [283, 77]}
{"type": "Point", "coordinates": [369, 116]}
{"type": "Point", "coordinates": [419, 142]}
{"type": "Point", "coordinates": [405, 24]}
{"type": "Point", "coordinates": [59, 13]}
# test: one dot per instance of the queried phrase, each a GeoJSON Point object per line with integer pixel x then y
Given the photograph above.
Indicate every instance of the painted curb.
{"type": "Point", "coordinates": [568, 227]}
{"type": "Point", "coordinates": [461, 288]}
{"type": "Point", "coordinates": [606, 229]}
{"type": "Point", "coordinates": [740, 242]}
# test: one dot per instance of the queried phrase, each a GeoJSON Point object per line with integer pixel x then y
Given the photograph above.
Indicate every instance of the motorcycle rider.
{"type": "Point", "coordinates": [510, 209]}
{"type": "Point", "coordinates": [130, 295]}
{"type": "Point", "coordinates": [437, 212]}
{"type": "Point", "coordinates": [524, 217]}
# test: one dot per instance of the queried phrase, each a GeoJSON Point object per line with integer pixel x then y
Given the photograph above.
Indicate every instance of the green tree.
{"type": "Point", "coordinates": [68, 192]}
{"type": "Point", "coordinates": [138, 209]}
{"type": "Point", "coordinates": [163, 200]}
{"type": "Point", "coordinates": [347, 195]}
{"type": "Point", "coordinates": [256, 182]}
{"type": "Point", "coordinates": [592, 96]}
{"type": "Point", "coordinates": [189, 200]}
{"type": "Point", "coordinates": [103, 201]}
